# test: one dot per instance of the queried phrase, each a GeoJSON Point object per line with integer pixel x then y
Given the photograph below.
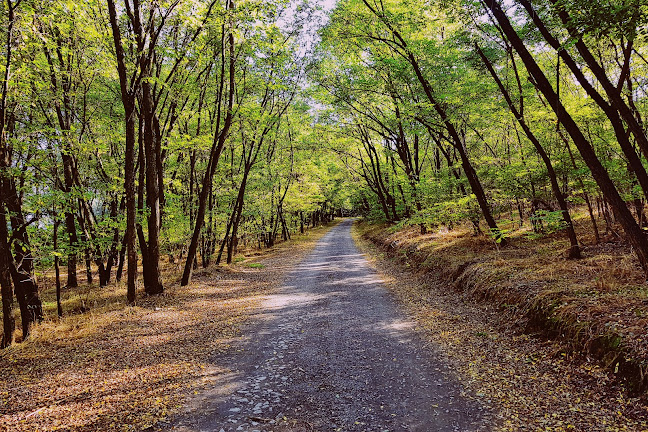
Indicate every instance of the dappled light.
{"type": "Point", "coordinates": [329, 348]}
{"type": "Point", "coordinates": [115, 367]}
{"type": "Point", "coordinates": [166, 167]}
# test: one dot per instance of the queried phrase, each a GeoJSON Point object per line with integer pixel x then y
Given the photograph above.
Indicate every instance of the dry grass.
{"type": "Point", "coordinates": [121, 368]}
{"type": "Point", "coordinates": [546, 341]}
{"type": "Point", "coordinates": [605, 292]}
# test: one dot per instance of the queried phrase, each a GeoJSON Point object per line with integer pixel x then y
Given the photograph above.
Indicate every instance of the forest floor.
{"type": "Point", "coordinates": [547, 343]}
{"type": "Point", "coordinates": [518, 339]}
{"type": "Point", "coordinates": [110, 367]}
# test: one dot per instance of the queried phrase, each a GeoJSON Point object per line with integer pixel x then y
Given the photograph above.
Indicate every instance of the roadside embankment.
{"type": "Point", "coordinates": [522, 315]}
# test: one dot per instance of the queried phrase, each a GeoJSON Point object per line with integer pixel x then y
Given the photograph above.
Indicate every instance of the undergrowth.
{"type": "Point", "coordinates": [541, 342]}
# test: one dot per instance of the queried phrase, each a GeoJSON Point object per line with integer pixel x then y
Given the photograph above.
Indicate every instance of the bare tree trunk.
{"type": "Point", "coordinates": [72, 280]}
{"type": "Point", "coordinates": [236, 216]}
{"type": "Point", "coordinates": [151, 265]}
{"type": "Point", "coordinates": [469, 170]}
{"type": "Point", "coordinates": [25, 287]}
{"type": "Point", "coordinates": [8, 320]}
{"type": "Point", "coordinates": [57, 271]}
{"type": "Point", "coordinates": [217, 147]}
{"type": "Point", "coordinates": [614, 94]}
{"type": "Point", "coordinates": [635, 164]}
{"type": "Point", "coordinates": [6, 260]}
{"type": "Point", "coordinates": [128, 95]}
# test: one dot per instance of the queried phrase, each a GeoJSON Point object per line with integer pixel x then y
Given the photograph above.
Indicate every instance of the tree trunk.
{"type": "Point", "coordinates": [574, 250]}
{"type": "Point", "coordinates": [85, 238]}
{"type": "Point", "coordinates": [633, 232]}
{"type": "Point", "coordinates": [588, 202]}
{"type": "Point", "coordinates": [614, 94]}
{"type": "Point", "coordinates": [471, 174]}
{"type": "Point", "coordinates": [57, 271]}
{"type": "Point", "coordinates": [128, 95]}
{"type": "Point", "coordinates": [236, 215]}
{"type": "Point", "coordinates": [151, 265]}
{"type": "Point", "coordinates": [214, 155]}
{"type": "Point", "coordinates": [70, 227]}
{"type": "Point", "coordinates": [8, 320]}
{"type": "Point", "coordinates": [610, 111]}
{"type": "Point", "coordinates": [25, 286]}
{"type": "Point", "coordinates": [6, 260]}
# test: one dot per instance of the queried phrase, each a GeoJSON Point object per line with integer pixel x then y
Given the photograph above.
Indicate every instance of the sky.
{"type": "Point", "coordinates": [310, 23]}
{"type": "Point", "coordinates": [328, 4]}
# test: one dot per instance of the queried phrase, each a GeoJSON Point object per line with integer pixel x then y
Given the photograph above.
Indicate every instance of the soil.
{"type": "Point", "coordinates": [131, 368]}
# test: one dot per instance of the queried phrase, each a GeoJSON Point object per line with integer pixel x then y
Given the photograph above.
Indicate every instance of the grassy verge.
{"type": "Point", "coordinates": [548, 342]}
{"type": "Point", "coordinates": [107, 366]}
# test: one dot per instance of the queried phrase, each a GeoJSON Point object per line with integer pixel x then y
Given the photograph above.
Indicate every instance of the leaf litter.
{"type": "Point", "coordinates": [530, 383]}
{"type": "Point", "coordinates": [131, 368]}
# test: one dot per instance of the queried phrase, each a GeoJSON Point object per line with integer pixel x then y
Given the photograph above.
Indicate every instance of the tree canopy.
{"type": "Point", "coordinates": [136, 130]}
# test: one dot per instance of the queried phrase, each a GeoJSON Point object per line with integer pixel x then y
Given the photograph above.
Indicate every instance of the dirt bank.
{"type": "Point", "coordinates": [533, 332]}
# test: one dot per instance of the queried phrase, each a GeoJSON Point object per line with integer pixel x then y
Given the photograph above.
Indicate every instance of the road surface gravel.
{"type": "Point", "coordinates": [331, 351]}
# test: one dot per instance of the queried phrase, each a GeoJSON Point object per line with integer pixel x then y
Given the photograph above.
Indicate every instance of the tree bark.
{"type": "Point", "coordinates": [236, 216]}
{"type": "Point", "coordinates": [128, 95]}
{"type": "Point", "coordinates": [614, 94]}
{"type": "Point", "coordinates": [20, 265]}
{"type": "Point", "coordinates": [151, 265]}
{"type": "Point", "coordinates": [471, 174]}
{"type": "Point", "coordinates": [612, 113]}
{"type": "Point", "coordinates": [57, 271]}
{"type": "Point", "coordinates": [6, 263]}
{"type": "Point", "coordinates": [217, 147]}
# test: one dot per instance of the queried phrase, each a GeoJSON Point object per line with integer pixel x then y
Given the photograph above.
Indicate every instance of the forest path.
{"type": "Point", "coordinates": [331, 351]}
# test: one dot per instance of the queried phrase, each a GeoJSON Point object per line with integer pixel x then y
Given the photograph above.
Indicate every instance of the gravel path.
{"type": "Point", "coordinates": [331, 352]}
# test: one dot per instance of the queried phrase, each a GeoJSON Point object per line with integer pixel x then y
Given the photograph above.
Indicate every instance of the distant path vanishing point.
{"type": "Point", "coordinates": [331, 351]}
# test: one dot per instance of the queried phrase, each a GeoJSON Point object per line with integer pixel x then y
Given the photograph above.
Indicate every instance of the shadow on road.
{"type": "Point", "coordinates": [330, 351]}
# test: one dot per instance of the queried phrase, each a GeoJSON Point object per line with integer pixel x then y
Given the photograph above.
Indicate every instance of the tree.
{"type": "Point", "coordinates": [20, 266]}
{"type": "Point", "coordinates": [225, 109]}
{"type": "Point", "coordinates": [633, 232]}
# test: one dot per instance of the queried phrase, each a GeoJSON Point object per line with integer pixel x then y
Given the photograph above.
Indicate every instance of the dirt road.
{"type": "Point", "coordinates": [332, 352]}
